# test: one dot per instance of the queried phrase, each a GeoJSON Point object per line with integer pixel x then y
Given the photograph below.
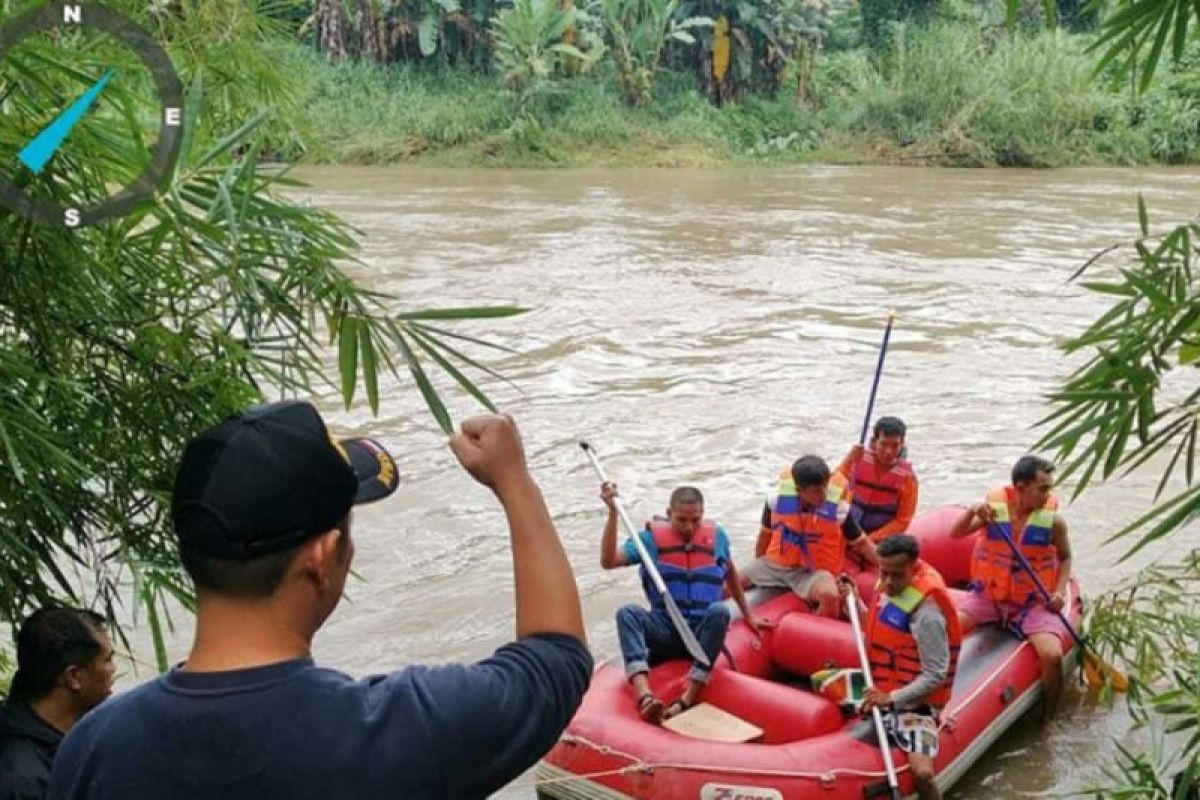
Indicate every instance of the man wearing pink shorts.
{"type": "Point", "coordinates": [1002, 589]}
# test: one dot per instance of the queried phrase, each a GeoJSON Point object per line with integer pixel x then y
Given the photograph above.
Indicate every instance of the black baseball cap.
{"type": "Point", "coordinates": [271, 477]}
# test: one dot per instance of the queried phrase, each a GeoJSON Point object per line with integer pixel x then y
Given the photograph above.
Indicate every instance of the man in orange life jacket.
{"type": "Point", "coordinates": [883, 485]}
{"type": "Point", "coordinates": [805, 529]}
{"type": "Point", "coordinates": [692, 556]}
{"type": "Point", "coordinates": [1001, 589]}
{"type": "Point", "coordinates": [913, 638]}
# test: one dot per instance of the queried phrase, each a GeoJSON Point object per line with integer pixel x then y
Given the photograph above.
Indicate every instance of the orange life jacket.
{"type": "Point", "coordinates": [876, 491]}
{"type": "Point", "coordinates": [995, 571]}
{"type": "Point", "coordinates": [891, 646]}
{"type": "Point", "coordinates": [807, 538]}
{"type": "Point", "coordinates": [690, 569]}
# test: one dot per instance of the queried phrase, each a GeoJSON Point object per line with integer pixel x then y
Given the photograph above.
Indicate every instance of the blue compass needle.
{"type": "Point", "coordinates": [43, 146]}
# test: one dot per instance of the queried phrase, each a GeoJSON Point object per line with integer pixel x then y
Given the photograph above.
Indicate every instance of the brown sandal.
{"type": "Point", "coordinates": [650, 708]}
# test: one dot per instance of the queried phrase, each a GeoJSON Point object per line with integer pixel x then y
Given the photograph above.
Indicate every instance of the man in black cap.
{"type": "Point", "coordinates": [64, 669]}
{"type": "Point", "coordinates": [262, 510]}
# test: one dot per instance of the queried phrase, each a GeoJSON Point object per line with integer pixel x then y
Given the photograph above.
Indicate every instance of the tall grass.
{"type": "Point", "coordinates": [954, 94]}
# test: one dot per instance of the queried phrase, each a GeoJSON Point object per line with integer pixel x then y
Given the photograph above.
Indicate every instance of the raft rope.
{"type": "Point", "coordinates": [828, 777]}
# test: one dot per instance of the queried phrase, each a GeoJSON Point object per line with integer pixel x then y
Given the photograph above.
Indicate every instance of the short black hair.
{"type": "Point", "coordinates": [889, 426]}
{"type": "Point", "coordinates": [899, 544]}
{"type": "Point", "coordinates": [1027, 468]}
{"type": "Point", "coordinates": [686, 496]}
{"type": "Point", "coordinates": [49, 641]}
{"type": "Point", "coordinates": [810, 471]}
{"type": "Point", "coordinates": [250, 579]}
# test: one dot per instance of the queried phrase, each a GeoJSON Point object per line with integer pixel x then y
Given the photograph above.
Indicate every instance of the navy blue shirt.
{"type": "Point", "coordinates": [295, 730]}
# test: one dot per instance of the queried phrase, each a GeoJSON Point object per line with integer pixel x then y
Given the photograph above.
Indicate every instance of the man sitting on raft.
{"type": "Point", "coordinates": [1002, 589]}
{"type": "Point", "coordinates": [913, 639]}
{"type": "Point", "coordinates": [693, 557]}
{"type": "Point", "coordinates": [883, 483]}
{"type": "Point", "coordinates": [806, 528]}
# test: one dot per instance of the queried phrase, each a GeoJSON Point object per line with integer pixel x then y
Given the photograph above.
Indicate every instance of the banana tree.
{"type": "Point", "coordinates": [531, 44]}
{"type": "Point", "coordinates": [638, 31]}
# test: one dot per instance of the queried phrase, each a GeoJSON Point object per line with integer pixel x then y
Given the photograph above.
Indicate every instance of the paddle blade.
{"type": "Point", "coordinates": [1097, 673]}
{"type": "Point", "coordinates": [689, 639]}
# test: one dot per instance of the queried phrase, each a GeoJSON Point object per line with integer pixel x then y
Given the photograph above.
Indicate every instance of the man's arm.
{"type": "Point", "coordinates": [610, 555]}
{"type": "Point", "coordinates": [904, 513]}
{"type": "Point", "coordinates": [1062, 545]}
{"type": "Point", "coordinates": [490, 449]}
{"type": "Point", "coordinates": [847, 465]}
{"type": "Point", "coordinates": [971, 520]}
{"type": "Point", "coordinates": [764, 532]}
{"type": "Point", "coordinates": [859, 542]}
{"type": "Point", "coordinates": [933, 645]}
{"type": "Point", "coordinates": [733, 582]}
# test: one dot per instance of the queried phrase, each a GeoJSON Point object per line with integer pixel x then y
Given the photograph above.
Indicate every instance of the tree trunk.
{"type": "Point", "coordinates": [331, 30]}
{"type": "Point", "coordinates": [372, 44]}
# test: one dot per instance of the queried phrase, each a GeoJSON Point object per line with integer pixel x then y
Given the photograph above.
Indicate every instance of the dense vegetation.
{"type": "Point", "coordinates": [665, 82]}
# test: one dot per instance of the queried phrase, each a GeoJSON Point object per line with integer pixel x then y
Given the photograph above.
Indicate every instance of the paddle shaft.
{"type": "Point", "coordinates": [883, 348]}
{"type": "Point", "coordinates": [681, 626]}
{"type": "Point", "coordinates": [885, 746]}
{"type": "Point", "coordinates": [1025, 565]}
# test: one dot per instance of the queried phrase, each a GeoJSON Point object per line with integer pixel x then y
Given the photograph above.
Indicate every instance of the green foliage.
{"type": "Point", "coordinates": [879, 18]}
{"type": "Point", "coordinates": [7, 667]}
{"type": "Point", "coordinates": [1152, 622]}
{"type": "Point", "coordinates": [365, 113]}
{"type": "Point", "coordinates": [638, 30]}
{"type": "Point", "coordinates": [953, 94]}
{"type": "Point", "coordinates": [531, 43]}
{"type": "Point", "coordinates": [1113, 413]}
{"type": "Point", "coordinates": [119, 342]}
{"type": "Point", "coordinates": [1134, 36]}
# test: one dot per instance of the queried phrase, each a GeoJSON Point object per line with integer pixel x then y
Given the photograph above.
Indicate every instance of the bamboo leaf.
{"type": "Point", "coordinates": [479, 312]}
{"type": "Point", "coordinates": [1188, 506]}
{"type": "Point", "coordinates": [450, 369]}
{"type": "Point", "coordinates": [348, 357]}
{"type": "Point", "coordinates": [369, 367]}
{"type": "Point", "coordinates": [432, 400]}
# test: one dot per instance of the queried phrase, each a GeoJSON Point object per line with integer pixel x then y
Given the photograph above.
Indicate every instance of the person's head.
{"type": "Point", "coordinates": [811, 475]}
{"type": "Point", "coordinates": [262, 503]}
{"type": "Point", "coordinates": [898, 556]}
{"type": "Point", "coordinates": [64, 651]}
{"type": "Point", "coordinates": [887, 440]}
{"type": "Point", "coordinates": [1033, 479]}
{"type": "Point", "coordinates": [686, 509]}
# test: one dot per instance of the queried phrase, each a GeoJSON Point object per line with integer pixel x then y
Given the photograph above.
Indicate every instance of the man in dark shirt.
{"type": "Point", "coordinates": [261, 507]}
{"type": "Point", "coordinates": [64, 669]}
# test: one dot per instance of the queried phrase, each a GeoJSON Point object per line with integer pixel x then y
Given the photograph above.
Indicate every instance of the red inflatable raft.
{"type": "Point", "coordinates": [808, 748]}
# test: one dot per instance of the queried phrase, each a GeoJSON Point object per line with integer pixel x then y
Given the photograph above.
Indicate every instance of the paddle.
{"type": "Point", "coordinates": [885, 746]}
{"type": "Point", "coordinates": [1098, 668]}
{"type": "Point", "coordinates": [685, 633]}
